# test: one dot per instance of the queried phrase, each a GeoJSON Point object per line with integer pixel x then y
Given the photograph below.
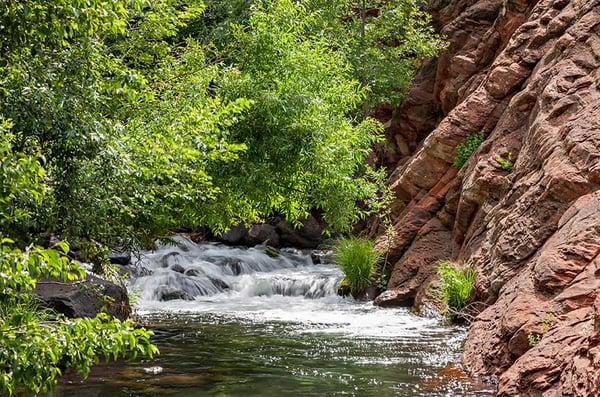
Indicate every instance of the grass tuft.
{"type": "Point", "coordinates": [506, 163]}
{"type": "Point", "coordinates": [456, 286]}
{"type": "Point", "coordinates": [357, 257]}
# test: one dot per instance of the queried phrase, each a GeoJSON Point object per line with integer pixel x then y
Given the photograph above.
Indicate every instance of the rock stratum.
{"type": "Point", "coordinates": [526, 73]}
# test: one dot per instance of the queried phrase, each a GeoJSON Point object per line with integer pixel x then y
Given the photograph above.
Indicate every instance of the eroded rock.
{"type": "Point", "coordinates": [527, 74]}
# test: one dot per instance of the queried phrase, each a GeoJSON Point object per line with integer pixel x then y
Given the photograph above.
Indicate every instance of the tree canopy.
{"type": "Point", "coordinates": [122, 120]}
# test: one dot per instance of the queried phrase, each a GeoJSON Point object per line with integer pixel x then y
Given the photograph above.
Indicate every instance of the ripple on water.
{"type": "Point", "coordinates": [278, 328]}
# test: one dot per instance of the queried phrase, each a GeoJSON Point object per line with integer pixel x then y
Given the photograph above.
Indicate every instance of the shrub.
{"type": "Point", "coordinates": [466, 149]}
{"type": "Point", "coordinates": [544, 326]}
{"type": "Point", "coordinates": [456, 286]}
{"type": "Point", "coordinates": [506, 163]}
{"type": "Point", "coordinates": [37, 344]}
{"type": "Point", "coordinates": [357, 257]}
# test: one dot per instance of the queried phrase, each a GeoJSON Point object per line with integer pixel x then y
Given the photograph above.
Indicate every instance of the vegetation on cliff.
{"type": "Point", "coordinates": [466, 148]}
{"type": "Point", "coordinates": [456, 287]}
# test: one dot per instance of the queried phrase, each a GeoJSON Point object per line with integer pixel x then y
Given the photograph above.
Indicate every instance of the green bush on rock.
{"type": "Point", "coordinates": [357, 257]}
{"type": "Point", "coordinates": [467, 148]}
{"type": "Point", "coordinates": [506, 163]}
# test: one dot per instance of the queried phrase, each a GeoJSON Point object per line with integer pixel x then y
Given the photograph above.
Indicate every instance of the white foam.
{"type": "Point", "coordinates": [288, 288]}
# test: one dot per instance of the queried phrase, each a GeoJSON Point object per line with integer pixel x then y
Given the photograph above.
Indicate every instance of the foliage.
{"type": "Point", "coordinates": [533, 338]}
{"type": "Point", "coordinates": [21, 187]}
{"type": "Point", "coordinates": [357, 257]}
{"type": "Point", "coordinates": [383, 280]}
{"type": "Point", "coordinates": [456, 286]}
{"type": "Point", "coordinates": [385, 42]}
{"type": "Point", "coordinates": [36, 345]}
{"type": "Point", "coordinates": [72, 90]}
{"type": "Point", "coordinates": [115, 127]}
{"type": "Point", "coordinates": [303, 151]}
{"type": "Point", "coordinates": [52, 86]}
{"type": "Point", "coordinates": [465, 149]}
{"type": "Point", "coordinates": [142, 135]}
{"type": "Point", "coordinates": [506, 163]}
{"type": "Point", "coordinates": [121, 120]}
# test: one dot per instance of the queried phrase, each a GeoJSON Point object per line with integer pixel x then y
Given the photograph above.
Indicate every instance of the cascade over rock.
{"type": "Point", "coordinates": [526, 73]}
{"type": "Point", "coordinates": [189, 271]}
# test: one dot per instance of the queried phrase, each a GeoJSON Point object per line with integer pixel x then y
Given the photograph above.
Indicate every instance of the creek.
{"type": "Point", "coordinates": [246, 322]}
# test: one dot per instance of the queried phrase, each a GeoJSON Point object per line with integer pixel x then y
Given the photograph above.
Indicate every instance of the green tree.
{"type": "Point", "coordinates": [35, 344]}
{"type": "Point", "coordinates": [52, 87]}
{"type": "Point", "coordinates": [97, 89]}
{"type": "Point", "coordinates": [304, 151]}
{"type": "Point", "coordinates": [383, 40]}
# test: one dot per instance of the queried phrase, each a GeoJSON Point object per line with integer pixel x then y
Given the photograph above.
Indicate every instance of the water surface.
{"type": "Point", "coordinates": [238, 322]}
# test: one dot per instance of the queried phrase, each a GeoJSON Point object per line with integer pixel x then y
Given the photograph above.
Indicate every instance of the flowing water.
{"type": "Point", "coordinates": [247, 322]}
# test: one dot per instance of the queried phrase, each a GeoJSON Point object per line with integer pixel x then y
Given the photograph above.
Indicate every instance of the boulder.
{"type": "Point", "coordinates": [263, 233]}
{"type": "Point", "coordinates": [235, 236]}
{"type": "Point", "coordinates": [85, 298]}
{"type": "Point", "coordinates": [120, 258]}
{"type": "Point", "coordinates": [322, 256]}
{"type": "Point", "coordinates": [165, 293]}
{"type": "Point", "coordinates": [309, 235]}
{"type": "Point", "coordinates": [392, 298]}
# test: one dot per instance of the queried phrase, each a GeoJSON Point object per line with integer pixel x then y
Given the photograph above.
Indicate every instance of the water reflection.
{"type": "Point", "coordinates": [210, 355]}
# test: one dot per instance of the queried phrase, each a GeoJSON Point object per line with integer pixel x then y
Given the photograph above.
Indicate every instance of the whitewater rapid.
{"type": "Point", "coordinates": [253, 284]}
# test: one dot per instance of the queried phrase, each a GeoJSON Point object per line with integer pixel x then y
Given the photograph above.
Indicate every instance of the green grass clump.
{"type": "Point", "coordinates": [467, 148]}
{"type": "Point", "coordinates": [456, 285]}
{"type": "Point", "coordinates": [357, 257]}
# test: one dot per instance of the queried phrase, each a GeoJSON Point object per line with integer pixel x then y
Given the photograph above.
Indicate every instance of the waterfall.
{"type": "Point", "coordinates": [184, 270]}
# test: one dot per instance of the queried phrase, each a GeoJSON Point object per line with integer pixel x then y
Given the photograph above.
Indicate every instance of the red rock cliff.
{"type": "Point", "coordinates": [526, 73]}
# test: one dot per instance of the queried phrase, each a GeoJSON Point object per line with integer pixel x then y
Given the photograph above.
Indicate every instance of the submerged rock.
{"type": "Point", "coordinates": [168, 294]}
{"type": "Point", "coordinates": [272, 252]}
{"type": "Point", "coordinates": [220, 284]}
{"type": "Point", "coordinates": [178, 268]}
{"type": "Point", "coordinates": [192, 273]}
{"type": "Point", "coordinates": [322, 256]}
{"type": "Point", "coordinates": [170, 259]}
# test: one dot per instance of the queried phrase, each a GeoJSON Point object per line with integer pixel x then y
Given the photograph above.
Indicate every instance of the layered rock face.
{"type": "Point", "coordinates": [526, 73]}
